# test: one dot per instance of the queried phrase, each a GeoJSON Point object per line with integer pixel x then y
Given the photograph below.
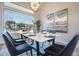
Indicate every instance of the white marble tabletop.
{"type": "Point", "coordinates": [42, 37]}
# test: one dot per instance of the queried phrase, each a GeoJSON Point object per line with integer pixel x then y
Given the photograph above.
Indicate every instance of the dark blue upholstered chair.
{"type": "Point", "coordinates": [17, 41]}
{"type": "Point", "coordinates": [69, 49]}
{"type": "Point", "coordinates": [65, 50]}
{"type": "Point", "coordinates": [16, 50]}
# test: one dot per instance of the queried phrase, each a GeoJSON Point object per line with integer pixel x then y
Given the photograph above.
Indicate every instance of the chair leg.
{"type": "Point", "coordinates": [49, 44]}
{"type": "Point", "coordinates": [32, 42]}
{"type": "Point", "coordinates": [42, 44]}
{"type": "Point", "coordinates": [26, 53]}
{"type": "Point", "coordinates": [31, 52]}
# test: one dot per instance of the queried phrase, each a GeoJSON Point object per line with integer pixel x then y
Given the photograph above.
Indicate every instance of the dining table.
{"type": "Point", "coordinates": [40, 37]}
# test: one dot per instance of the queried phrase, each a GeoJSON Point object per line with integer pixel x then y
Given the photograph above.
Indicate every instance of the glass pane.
{"type": "Point", "coordinates": [15, 21]}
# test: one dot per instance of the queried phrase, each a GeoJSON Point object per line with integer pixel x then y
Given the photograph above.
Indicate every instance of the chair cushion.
{"type": "Point", "coordinates": [19, 39]}
{"type": "Point", "coordinates": [24, 46]}
{"type": "Point", "coordinates": [55, 50]}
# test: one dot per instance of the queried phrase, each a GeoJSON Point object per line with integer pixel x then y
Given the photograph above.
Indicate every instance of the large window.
{"type": "Point", "coordinates": [15, 21]}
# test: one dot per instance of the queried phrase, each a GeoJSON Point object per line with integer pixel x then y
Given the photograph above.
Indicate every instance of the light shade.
{"type": "Point", "coordinates": [34, 5]}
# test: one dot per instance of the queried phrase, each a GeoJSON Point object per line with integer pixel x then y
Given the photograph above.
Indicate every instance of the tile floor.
{"type": "Point", "coordinates": [4, 51]}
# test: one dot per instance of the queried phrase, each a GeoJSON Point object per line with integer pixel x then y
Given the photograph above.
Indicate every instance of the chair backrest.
{"type": "Point", "coordinates": [52, 31]}
{"type": "Point", "coordinates": [7, 33]}
{"type": "Point", "coordinates": [69, 49]}
{"type": "Point", "coordinates": [10, 45]}
{"type": "Point", "coordinates": [12, 37]}
{"type": "Point", "coordinates": [15, 35]}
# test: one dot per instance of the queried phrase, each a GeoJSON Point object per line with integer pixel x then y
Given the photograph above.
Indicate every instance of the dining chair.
{"type": "Point", "coordinates": [49, 41]}
{"type": "Point", "coordinates": [62, 50]}
{"type": "Point", "coordinates": [27, 39]}
{"type": "Point", "coordinates": [17, 41]}
{"type": "Point", "coordinates": [16, 50]}
{"type": "Point", "coordinates": [69, 49]}
{"type": "Point", "coordinates": [54, 50]}
{"type": "Point", "coordinates": [53, 32]}
{"type": "Point", "coordinates": [43, 43]}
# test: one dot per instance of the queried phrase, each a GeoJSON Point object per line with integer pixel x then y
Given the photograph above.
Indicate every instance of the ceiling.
{"type": "Point", "coordinates": [23, 4]}
{"type": "Point", "coordinates": [26, 4]}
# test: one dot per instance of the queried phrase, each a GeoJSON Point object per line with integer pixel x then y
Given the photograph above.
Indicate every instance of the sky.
{"type": "Point", "coordinates": [17, 17]}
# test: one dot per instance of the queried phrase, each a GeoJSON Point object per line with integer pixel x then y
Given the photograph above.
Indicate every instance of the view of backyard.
{"type": "Point", "coordinates": [15, 21]}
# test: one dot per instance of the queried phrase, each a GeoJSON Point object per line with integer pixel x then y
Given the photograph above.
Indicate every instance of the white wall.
{"type": "Point", "coordinates": [73, 17]}
{"type": "Point", "coordinates": [1, 22]}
